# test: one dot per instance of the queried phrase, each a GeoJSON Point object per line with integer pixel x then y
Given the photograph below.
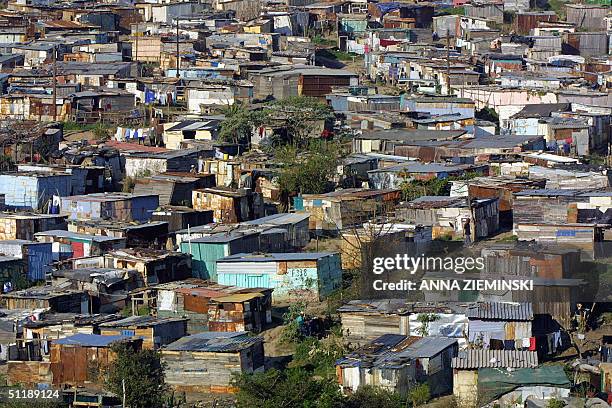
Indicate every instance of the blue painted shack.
{"type": "Point", "coordinates": [38, 256]}
{"type": "Point", "coordinates": [308, 275]}
{"type": "Point", "coordinates": [110, 206]}
{"type": "Point", "coordinates": [31, 190]}
{"type": "Point", "coordinates": [206, 251]}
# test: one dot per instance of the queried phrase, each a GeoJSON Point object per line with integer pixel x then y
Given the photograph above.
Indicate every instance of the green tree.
{"type": "Point", "coordinates": [298, 116]}
{"type": "Point", "coordinates": [290, 388]}
{"type": "Point", "coordinates": [412, 189]}
{"type": "Point", "coordinates": [307, 170]}
{"type": "Point", "coordinates": [238, 124]}
{"type": "Point", "coordinates": [143, 373]}
{"type": "Point", "coordinates": [320, 355]}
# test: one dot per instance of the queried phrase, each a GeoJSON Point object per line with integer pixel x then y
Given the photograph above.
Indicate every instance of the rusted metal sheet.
{"type": "Point", "coordinates": [29, 373]}
{"type": "Point", "coordinates": [198, 304]}
{"type": "Point", "coordinates": [525, 21]}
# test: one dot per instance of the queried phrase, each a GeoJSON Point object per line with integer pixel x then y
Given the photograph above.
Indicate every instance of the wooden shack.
{"type": "Point", "coordinates": [229, 205]}
{"type": "Point", "coordinates": [76, 360]}
{"type": "Point", "coordinates": [206, 362]}
{"type": "Point", "coordinates": [192, 299]}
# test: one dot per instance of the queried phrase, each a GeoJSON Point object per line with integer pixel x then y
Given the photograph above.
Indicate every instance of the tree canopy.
{"type": "Point", "coordinates": [307, 170]}
{"type": "Point", "coordinates": [299, 116]}
{"type": "Point", "coordinates": [143, 374]}
{"type": "Point", "coordinates": [239, 123]}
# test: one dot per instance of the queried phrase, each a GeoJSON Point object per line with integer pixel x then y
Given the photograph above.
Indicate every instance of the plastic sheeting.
{"type": "Point", "coordinates": [485, 331]}
{"type": "Point", "coordinates": [448, 325]}
{"type": "Point", "coordinates": [495, 382]}
{"type": "Point", "coordinates": [388, 7]}
{"type": "Point", "coordinates": [165, 299]}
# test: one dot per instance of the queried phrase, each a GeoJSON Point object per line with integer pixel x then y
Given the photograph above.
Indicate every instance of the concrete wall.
{"type": "Point", "coordinates": [465, 388]}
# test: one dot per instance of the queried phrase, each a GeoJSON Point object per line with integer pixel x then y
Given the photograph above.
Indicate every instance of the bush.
{"type": "Point", "coordinates": [555, 403]}
{"type": "Point", "coordinates": [374, 397]}
{"type": "Point", "coordinates": [419, 394]}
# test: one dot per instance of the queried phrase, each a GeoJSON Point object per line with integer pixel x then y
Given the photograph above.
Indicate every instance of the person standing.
{"type": "Point", "coordinates": [467, 233]}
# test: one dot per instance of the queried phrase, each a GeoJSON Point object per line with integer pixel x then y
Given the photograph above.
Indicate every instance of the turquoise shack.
{"type": "Point", "coordinates": [206, 251]}
{"type": "Point", "coordinates": [293, 276]}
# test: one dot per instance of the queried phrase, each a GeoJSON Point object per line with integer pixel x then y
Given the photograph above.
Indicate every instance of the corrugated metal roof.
{"type": "Point", "coordinates": [237, 298]}
{"type": "Point", "coordinates": [195, 125]}
{"type": "Point", "coordinates": [500, 311]}
{"type": "Point", "coordinates": [396, 350]}
{"type": "Point", "coordinates": [549, 192]}
{"type": "Point", "coordinates": [418, 167]}
{"type": "Point", "coordinates": [141, 321]}
{"type": "Point", "coordinates": [279, 219]}
{"type": "Point", "coordinates": [215, 342]}
{"type": "Point", "coordinates": [473, 359]}
{"type": "Point", "coordinates": [285, 256]}
{"type": "Point", "coordinates": [399, 306]}
{"type": "Point", "coordinates": [427, 347]}
{"type": "Point", "coordinates": [76, 235]}
{"type": "Point", "coordinates": [90, 340]}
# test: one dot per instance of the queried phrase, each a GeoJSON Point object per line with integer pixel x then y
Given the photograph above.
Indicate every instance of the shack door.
{"type": "Point", "coordinates": [78, 249]}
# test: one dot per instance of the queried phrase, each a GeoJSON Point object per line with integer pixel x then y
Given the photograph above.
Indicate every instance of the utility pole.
{"type": "Point", "coordinates": [178, 55]}
{"type": "Point", "coordinates": [54, 83]}
{"type": "Point", "coordinates": [448, 87]}
{"type": "Point", "coordinates": [136, 43]}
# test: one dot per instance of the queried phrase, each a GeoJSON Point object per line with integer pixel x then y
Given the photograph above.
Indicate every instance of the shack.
{"type": "Point", "coordinates": [74, 360]}
{"type": "Point", "coordinates": [181, 217]}
{"type": "Point", "coordinates": [365, 320]}
{"type": "Point", "coordinates": [33, 191]}
{"type": "Point", "coordinates": [154, 331]}
{"type": "Point", "coordinates": [154, 266]}
{"type": "Point", "coordinates": [207, 250]}
{"type": "Point", "coordinates": [229, 205]}
{"type": "Point", "coordinates": [80, 245]}
{"type": "Point", "coordinates": [78, 359]}
{"type": "Point", "coordinates": [106, 206]}
{"type": "Point", "coordinates": [151, 234]}
{"type": "Point", "coordinates": [37, 255]}
{"type": "Point", "coordinates": [173, 188]}
{"type": "Point", "coordinates": [499, 187]}
{"type": "Point", "coordinates": [573, 235]}
{"type": "Point", "coordinates": [295, 224]}
{"type": "Point", "coordinates": [206, 362]}
{"type": "Point", "coordinates": [107, 288]}
{"type": "Point", "coordinates": [240, 312]}
{"type": "Point", "coordinates": [500, 326]}
{"type": "Point", "coordinates": [191, 299]}
{"type": "Point", "coordinates": [338, 210]}
{"type": "Point", "coordinates": [448, 215]}
{"type": "Point", "coordinates": [25, 225]}
{"type": "Point", "coordinates": [313, 275]}
{"type": "Point", "coordinates": [394, 176]}
{"type": "Point", "coordinates": [397, 362]}
{"type": "Point", "coordinates": [545, 205]}
{"type": "Point", "coordinates": [47, 297]}
{"type": "Point", "coordinates": [468, 363]}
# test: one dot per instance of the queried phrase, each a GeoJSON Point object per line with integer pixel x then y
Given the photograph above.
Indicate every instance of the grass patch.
{"type": "Point", "coordinates": [339, 55]}
{"type": "Point", "coordinates": [320, 40]}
